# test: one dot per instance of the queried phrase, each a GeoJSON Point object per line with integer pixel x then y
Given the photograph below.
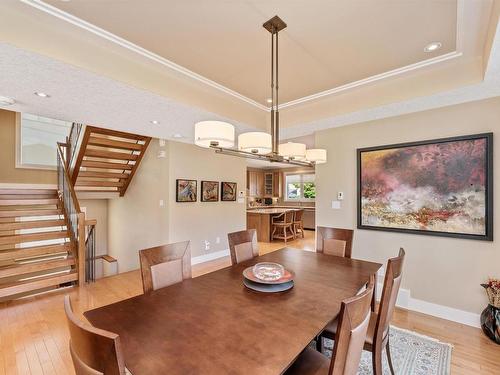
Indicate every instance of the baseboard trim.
{"type": "Point", "coordinates": [405, 301]}
{"type": "Point", "coordinates": [210, 256]}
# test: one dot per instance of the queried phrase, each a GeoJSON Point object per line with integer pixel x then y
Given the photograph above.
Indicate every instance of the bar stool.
{"type": "Point", "coordinates": [282, 224]}
{"type": "Point", "coordinates": [298, 224]}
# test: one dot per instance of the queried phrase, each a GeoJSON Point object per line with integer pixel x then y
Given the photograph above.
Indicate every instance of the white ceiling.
{"type": "Point", "coordinates": [327, 43]}
{"type": "Point", "coordinates": [89, 96]}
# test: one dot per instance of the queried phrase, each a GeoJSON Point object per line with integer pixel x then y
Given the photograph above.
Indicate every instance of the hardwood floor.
{"type": "Point", "coordinates": [34, 336]}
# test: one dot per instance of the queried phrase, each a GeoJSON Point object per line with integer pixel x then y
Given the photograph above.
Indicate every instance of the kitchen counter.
{"type": "Point", "coordinates": [260, 218]}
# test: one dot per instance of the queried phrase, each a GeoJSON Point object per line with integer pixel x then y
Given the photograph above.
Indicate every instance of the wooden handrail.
{"type": "Point", "coordinates": [67, 177]}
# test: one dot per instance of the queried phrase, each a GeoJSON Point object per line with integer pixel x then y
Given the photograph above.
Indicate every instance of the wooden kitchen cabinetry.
{"type": "Point", "coordinates": [263, 183]}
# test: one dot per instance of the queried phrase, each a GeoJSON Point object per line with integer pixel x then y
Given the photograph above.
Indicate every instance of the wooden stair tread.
{"type": "Point", "coordinates": [108, 258]}
{"type": "Point", "coordinates": [95, 174]}
{"type": "Point", "coordinates": [98, 183]}
{"type": "Point", "coordinates": [39, 283]}
{"type": "Point", "coordinates": [28, 213]}
{"type": "Point", "coordinates": [111, 143]}
{"type": "Point", "coordinates": [32, 224]}
{"type": "Point", "coordinates": [109, 154]}
{"type": "Point", "coordinates": [106, 165]}
{"type": "Point", "coordinates": [29, 202]}
{"type": "Point", "coordinates": [33, 251]}
{"type": "Point", "coordinates": [30, 237]}
{"type": "Point", "coordinates": [116, 133]}
{"type": "Point", "coordinates": [25, 268]}
{"type": "Point", "coordinates": [28, 191]}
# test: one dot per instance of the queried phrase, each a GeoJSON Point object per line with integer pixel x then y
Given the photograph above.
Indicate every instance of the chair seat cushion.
{"type": "Point", "coordinates": [370, 334]}
{"type": "Point", "coordinates": [310, 362]}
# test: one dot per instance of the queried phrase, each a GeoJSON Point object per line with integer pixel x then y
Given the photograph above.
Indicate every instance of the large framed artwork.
{"type": "Point", "coordinates": [441, 187]}
{"type": "Point", "coordinates": [228, 191]}
{"type": "Point", "coordinates": [209, 191]}
{"type": "Point", "coordinates": [185, 190]}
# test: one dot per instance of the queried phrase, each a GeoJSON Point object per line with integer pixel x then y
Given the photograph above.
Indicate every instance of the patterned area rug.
{"type": "Point", "coordinates": [412, 354]}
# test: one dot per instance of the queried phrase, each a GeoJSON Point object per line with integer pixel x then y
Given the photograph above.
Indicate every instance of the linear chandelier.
{"type": "Point", "coordinates": [219, 135]}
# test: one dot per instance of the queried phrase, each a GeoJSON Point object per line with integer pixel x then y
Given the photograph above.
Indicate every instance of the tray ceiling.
{"type": "Point", "coordinates": [327, 44]}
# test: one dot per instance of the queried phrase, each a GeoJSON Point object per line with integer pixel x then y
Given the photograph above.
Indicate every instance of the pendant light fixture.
{"type": "Point", "coordinates": [260, 145]}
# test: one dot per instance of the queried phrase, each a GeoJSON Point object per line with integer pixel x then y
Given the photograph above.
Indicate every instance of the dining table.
{"type": "Point", "coordinates": [213, 324]}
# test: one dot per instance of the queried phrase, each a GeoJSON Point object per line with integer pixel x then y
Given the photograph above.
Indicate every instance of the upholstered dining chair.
{"type": "Point", "coordinates": [93, 351]}
{"type": "Point", "coordinates": [377, 337]}
{"type": "Point", "coordinates": [334, 241]}
{"type": "Point", "coordinates": [165, 265]}
{"type": "Point", "coordinates": [283, 226]}
{"type": "Point", "coordinates": [243, 245]}
{"type": "Point", "coordinates": [354, 319]}
{"type": "Point", "coordinates": [298, 224]}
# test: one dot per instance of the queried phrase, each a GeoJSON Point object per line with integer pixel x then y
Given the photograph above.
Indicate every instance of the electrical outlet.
{"type": "Point", "coordinates": [217, 240]}
{"type": "Point", "coordinates": [162, 203]}
{"type": "Point", "coordinates": [207, 245]}
{"type": "Point", "coordinates": [340, 195]}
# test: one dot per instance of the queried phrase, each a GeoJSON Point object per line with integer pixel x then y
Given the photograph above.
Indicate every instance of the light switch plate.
{"type": "Point", "coordinates": [336, 205]}
{"type": "Point", "coordinates": [340, 195]}
{"type": "Point", "coordinates": [241, 194]}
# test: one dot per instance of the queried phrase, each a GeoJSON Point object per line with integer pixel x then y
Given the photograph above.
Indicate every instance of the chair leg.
{"type": "Point", "coordinates": [319, 343]}
{"type": "Point", "coordinates": [302, 230]}
{"type": "Point", "coordinates": [389, 359]}
{"type": "Point", "coordinates": [377, 361]}
{"type": "Point", "coordinates": [284, 233]}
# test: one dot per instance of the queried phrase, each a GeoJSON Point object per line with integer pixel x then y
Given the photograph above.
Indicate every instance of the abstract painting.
{"type": "Point", "coordinates": [209, 191]}
{"type": "Point", "coordinates": [228, 191]}
{"type": "Point", "coordinates": [185, 190]}
{"type": "Point", "coordinates": [441, 187]}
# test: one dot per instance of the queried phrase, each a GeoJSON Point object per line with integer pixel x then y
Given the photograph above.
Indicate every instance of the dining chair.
{"type": "Point", "coordinates": [94, 351]}
{"type": "Point", "coordinates": [334, 241]}
{"type": "Point", "coordinates": [354, 319]}
{"type": "Point", "coordinates": [378, 331]}
{"type": "Point", "coordinates": [243, 245]}
{"type": "Point", "coordinates": [283, 226]}
{"type": "Point", "coordinates": [298, 224]}
{"type": "Point", "coordinates": [165, 265]}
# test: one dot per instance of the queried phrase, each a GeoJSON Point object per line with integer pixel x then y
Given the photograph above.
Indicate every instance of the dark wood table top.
{"type": "Point", "coordinates": [212, 324]}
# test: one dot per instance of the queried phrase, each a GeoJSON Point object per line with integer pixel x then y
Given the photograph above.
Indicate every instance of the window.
{"type": "Point", "coordinates": [37, 139]}
{"type": "Point", "coordinates": [300, 187]}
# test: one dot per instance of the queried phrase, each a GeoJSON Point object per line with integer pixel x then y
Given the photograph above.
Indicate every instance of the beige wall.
{"type": "Point", "coordinates": [8, 171]}
{"type": "Point", "coordinates": [137, 221]}
{"type": "Point", "coordinates": [440, 270]}
{"type": "Point", "coordinates": [202, 221]}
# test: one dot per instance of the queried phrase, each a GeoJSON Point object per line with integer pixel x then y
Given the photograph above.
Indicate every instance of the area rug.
{"type": "Point", "coordinates": [412, 354]}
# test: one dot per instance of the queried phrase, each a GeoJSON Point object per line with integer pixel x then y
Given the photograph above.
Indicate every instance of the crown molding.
{"type": "Point", "coordinates": [56, 12]}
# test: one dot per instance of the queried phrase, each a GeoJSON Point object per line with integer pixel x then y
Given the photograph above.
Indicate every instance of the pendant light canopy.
{"type": "Point", "coordinates": [316, 155]}
{"type": "Point", "coordinates": [255, 143]}
{"type": "Point", "coordinates": [260, 145]}
{"type": "Point", "coordinates": [214, 134]}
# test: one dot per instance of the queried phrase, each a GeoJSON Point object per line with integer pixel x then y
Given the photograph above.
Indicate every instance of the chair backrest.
{"type": "Point", "coordinates": [298, 215]}
{"type": "Point", "coordinates": [165, 265]}
{"type": "Point", "coordinates": [334, 241]}
{"type": "Point", "coordinates": [94, 351]}
{"type": "Point", "coordinates": [392, 282]}
{"type": "Point", "coordinates": [289, 216]}
{"type": "Point", "coordinates": [350, 338]}
{"type": "Point", "coordinates": [243, 245]}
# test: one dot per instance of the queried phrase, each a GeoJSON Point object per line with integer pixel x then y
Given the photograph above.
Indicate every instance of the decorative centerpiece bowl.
{"type": "Point", "coordinates": [268, 271]}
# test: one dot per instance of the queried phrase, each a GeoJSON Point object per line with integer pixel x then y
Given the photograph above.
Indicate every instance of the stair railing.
{"type": "Point", "coordinates": [74, 216]}
{"type": "Point", "coordinates": [90, 256]}
{"type": "Point", "coordinates": [72, 143]}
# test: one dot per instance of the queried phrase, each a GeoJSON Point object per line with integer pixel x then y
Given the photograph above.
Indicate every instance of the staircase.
{"type": "Point", "coordinates": [106, 160]}
{"type": "Point", "coordinates": [37, 252]}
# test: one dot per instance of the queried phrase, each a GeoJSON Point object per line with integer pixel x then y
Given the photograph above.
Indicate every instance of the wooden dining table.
{"type": "Point", "coordinates": [213, 324]}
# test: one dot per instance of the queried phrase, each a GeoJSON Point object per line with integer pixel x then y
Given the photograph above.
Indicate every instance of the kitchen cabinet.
{"type": "Point", "coordinates": [264, 183]}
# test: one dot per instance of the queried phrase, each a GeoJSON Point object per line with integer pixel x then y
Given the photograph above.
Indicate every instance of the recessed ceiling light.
{"type": "Point", "coordinates": [41, 94]}
{"type": "Point", "coordinates": [155, 122]}
{"type": "Point", "coordinates": [177, 135]}
{"type": "Point", "coordinates": [4, 100]}
{"type": "Point", "coordinates": [269, 100]}
{"type": "Point", "coordinates": [434, 46]}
